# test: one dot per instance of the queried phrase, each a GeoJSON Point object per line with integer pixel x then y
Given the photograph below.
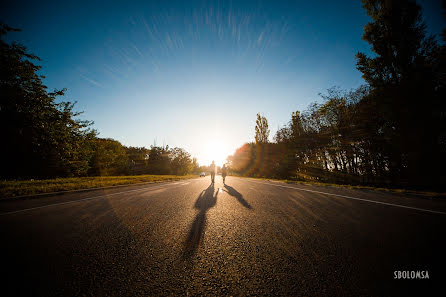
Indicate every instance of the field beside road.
{"type": "Point", "coordinates": [15, 188]}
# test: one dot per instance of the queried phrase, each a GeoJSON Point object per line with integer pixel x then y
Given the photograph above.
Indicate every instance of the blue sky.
{"type": "Point", "coordinates": [194, 74]}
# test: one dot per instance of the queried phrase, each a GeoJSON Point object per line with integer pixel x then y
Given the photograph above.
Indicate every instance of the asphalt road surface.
{"type": "Point", "coordinates": [248, 237]}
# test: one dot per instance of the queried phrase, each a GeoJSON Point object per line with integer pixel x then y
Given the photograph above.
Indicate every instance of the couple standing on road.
{"type": "Point", "coordinates": [213, 169]}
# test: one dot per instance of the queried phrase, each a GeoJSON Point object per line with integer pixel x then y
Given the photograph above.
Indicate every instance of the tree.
{"type": "Point", "coordinates": [159, 160]}
{"type": "Point", "coordinates": [181, 162]}
{"type": "Point", "coordinates": [407, 89]}
{"type": "Point", "coordinates": [398, 38]}
{"type": "Point", "coordinates": [41, 138]}
{"type": "Point", "coordinates": [138, 159]}
{"type": "Point", "coordinates": [109, 158]}
{"type": "Point", "coordinates": [262, 131]}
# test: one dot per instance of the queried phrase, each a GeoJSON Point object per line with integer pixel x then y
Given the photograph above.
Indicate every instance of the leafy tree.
{"type": "Point", "coordinates": [138, 159]}
{"type": "Point", "coordinates": [398, 38]}
{"type": "Point", "coordinates": [159, 160]}
{"type": "Point", "coordinates": [41, 138]}
{"type": "Point", "coordinates": [181, 162]}
{"type": "Point", "coordinates": [262, 131]}
{"type": "Point", "coordinates": [109, 158]}
{"type": "Point", "coordinates": [407, 89]}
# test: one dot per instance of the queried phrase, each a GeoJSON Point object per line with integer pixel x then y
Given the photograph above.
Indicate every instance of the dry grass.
{"type": "Point", "coordinates": [14, 188]}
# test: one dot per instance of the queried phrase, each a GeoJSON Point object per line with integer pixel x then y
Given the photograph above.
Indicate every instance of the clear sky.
{"type": "Point", "coordinates": [194, 74]}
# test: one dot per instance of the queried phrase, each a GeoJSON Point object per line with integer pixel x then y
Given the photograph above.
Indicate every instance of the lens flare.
{"type": "Point", "coordinates": [216, 150]}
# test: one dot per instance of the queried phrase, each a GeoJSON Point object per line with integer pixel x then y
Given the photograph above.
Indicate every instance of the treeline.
{"type": "Point", "coordinates": [390, 132]}
{"type": "Point", "coordinates": [111, 158]}
{"type": "Point", "coordinates": [44, 138]}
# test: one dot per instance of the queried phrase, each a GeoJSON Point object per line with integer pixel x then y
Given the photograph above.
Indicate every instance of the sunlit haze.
{"type": "Point", "coordinates": [194, 74]}
{"type": "Point", "coordinates": [216, 150]}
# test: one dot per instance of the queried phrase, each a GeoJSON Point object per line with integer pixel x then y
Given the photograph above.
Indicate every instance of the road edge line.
{"type": "Point", "coordinates": [74, 201]}
{"type": "Point", "coordinates": [35, 196]}
{"type": "Point", "coordinates": [356, 198]}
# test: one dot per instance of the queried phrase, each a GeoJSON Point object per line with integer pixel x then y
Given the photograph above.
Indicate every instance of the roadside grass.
{"type": "Point", "coordinates": [425, 194]}
{"type": "Point", "coordinates": [15, 188]}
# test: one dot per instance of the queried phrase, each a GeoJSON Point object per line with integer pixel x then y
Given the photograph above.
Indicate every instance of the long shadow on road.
{"type": "Point", "coordinates": [205, 201]}
{"type": "Point", "coordinates": [234, 193]}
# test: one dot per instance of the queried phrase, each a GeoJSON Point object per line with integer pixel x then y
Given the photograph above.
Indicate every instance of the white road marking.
{"type": "Point", "coordinates": [85, 199]}
{"type": "Point", "coordinates": [354, 198]}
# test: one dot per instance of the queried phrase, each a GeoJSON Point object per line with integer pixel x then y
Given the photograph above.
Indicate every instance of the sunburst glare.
{"type": "Point", "coordinates": [216, 150]}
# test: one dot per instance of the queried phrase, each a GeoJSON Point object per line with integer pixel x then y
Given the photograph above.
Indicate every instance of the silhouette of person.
{"type": "Point", "coordinates": [224, 172]}
{"type": "Point", "coordinates": [212, 168]}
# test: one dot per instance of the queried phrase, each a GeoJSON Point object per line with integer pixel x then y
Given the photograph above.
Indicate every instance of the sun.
{"type": "Point", "coordinates": [216, 150]}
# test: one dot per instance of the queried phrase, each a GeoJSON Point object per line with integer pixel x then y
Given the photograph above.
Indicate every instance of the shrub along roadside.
{"type": "Point", "coordinates": [15, 188]}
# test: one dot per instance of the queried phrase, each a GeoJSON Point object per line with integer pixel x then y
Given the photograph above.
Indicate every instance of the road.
{"type": "Point", "coordinates": [248, 237]}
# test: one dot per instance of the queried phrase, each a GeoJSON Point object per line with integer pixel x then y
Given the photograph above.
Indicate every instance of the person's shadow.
{"type": "Point", "coordinates": [205, 201]}
{"type": "Point", "coordinates": [233, 192]}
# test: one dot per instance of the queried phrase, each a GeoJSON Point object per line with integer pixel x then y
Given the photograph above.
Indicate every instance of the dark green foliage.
{"type": "Point", "coordinates": [407, 91]}
{"type": "Point", "coordinates": [41, 138]}
{"type": "Point", "coordinates": [163, 160]}
{"type": "Point", "coordinates": [109, 158]}
{"type": "Point", "coordinates": [159, 160]}
{"type": "Point", "coordinates": [138, 158]}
